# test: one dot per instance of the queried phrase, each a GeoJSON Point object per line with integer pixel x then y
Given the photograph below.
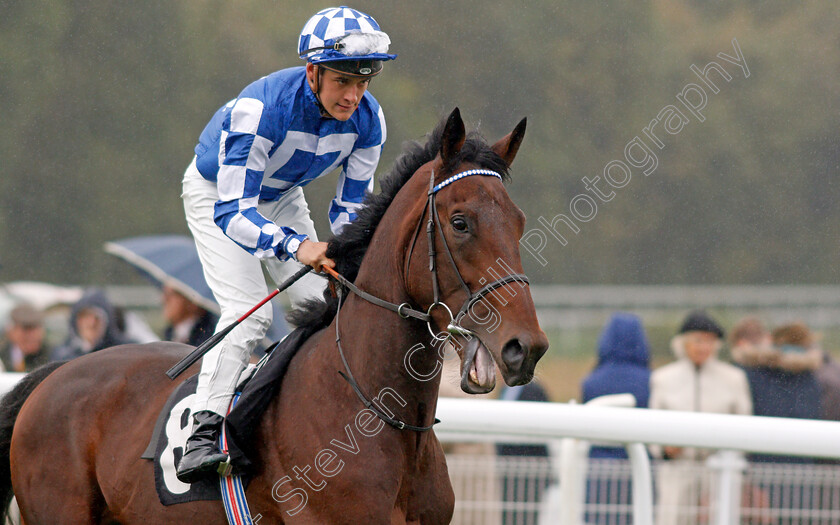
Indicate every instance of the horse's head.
{"type": "Point", "coordinates": [474, 268]}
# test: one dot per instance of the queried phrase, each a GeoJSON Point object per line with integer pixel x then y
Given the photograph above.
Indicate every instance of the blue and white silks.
{"type": "Point", "coordinates": [271, 139]}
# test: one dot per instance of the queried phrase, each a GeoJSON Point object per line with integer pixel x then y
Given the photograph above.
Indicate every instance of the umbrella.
{"type": "Point", "coordinates": [172, 260]}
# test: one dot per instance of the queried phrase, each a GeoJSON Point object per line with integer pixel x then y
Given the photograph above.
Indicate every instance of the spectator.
{"type": "Point", "coordinates": [698, 382]}
{"type": "Point", "coordinates": [25, 346]}
{"type": "Point", "coordinates": [188, 322]}
{"type": "Point", "coordinates": [782, 377]}
{"type": "Point", "coordinates": [828, 377]}
{"type": "Point", "coordinates": [93, 326]}
{"type": "Point", "coordinates": [623, 368]}
{"type": "Point", "coordinates": [521, 486]}
{"type": "Point", "coordinates": [748, 334]}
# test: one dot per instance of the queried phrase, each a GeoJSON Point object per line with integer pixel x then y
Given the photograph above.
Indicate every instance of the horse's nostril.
{"type": "Point", "coordinates": [519, 349]}
{"type": "Point", "coordinates": [539, 347]}
{"type": "Point", "coordinates": [513, 354]}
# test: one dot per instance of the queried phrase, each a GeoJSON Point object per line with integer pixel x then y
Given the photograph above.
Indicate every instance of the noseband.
{"type": "Point", "coordinates": [405, 311]}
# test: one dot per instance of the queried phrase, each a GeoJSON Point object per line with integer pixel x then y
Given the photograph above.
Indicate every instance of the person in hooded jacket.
{"type": "Point", "coordinates": [93, 326]}
{"type": "Point", "coordinates": [623, 368]}
{"type": "Point", "coordinates": [696, 382]}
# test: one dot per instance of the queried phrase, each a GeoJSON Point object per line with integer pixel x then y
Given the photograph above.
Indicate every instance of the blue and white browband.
{"type": "Point", "coordinates": [459, 176]}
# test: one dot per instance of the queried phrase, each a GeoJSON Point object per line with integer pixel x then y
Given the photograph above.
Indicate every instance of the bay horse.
{"type": "Point", "coordinates": [71, 435]}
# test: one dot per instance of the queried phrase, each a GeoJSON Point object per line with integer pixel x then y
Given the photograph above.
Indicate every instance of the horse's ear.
{"type": "Point", "coordinates": [453, 137]}
{"type": "Point", "coordinates": [509, 144]}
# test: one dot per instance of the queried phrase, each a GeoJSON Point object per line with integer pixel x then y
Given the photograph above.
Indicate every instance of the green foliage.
{"type": "Point", "coordinates": [104, 101]}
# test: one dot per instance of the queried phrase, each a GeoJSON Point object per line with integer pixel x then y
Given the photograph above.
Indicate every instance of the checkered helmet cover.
{"type": "Point", "coordinates": [358, 37]}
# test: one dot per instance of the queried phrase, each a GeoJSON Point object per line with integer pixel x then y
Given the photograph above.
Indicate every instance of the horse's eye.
{"type": "Point", "coordinates": [459, 224]}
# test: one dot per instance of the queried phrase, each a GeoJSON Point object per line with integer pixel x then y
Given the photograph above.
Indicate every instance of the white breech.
{"type": "Point", "coordinates": [238, 284]}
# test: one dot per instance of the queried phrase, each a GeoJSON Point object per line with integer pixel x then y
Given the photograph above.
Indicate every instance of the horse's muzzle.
{"type": "Point", "coordinates": [520, 356]}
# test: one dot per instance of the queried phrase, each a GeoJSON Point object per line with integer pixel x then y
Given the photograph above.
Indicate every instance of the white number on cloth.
{"type": "Point", "coordinates": [176, 438]}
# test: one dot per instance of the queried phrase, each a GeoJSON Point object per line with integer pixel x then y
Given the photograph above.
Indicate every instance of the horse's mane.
{"type": "Point", "coordinates": [348, 247]}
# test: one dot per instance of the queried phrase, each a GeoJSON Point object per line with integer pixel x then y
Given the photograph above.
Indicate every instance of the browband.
{"type": "Point", "coordinates": [459, 176]}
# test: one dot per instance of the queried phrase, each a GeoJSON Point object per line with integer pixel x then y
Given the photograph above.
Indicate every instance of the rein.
{"type": "Point", "coordinates": [405, 311]}
{"type": "Point", "coordinates": [396, 423]}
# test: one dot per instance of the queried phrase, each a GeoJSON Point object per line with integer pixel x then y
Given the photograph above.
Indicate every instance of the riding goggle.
{"type": "Point", "coordinates": [373, 45]}
{"type": "Point", "coordinates": [355, 68]}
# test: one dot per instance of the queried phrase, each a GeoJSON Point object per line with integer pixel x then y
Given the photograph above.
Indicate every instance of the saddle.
{"type": "Point", "coordinates": [259, 385]}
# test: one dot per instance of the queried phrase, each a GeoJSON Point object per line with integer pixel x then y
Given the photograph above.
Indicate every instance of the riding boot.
{"type": "Point", "coordinates": [202, 455]}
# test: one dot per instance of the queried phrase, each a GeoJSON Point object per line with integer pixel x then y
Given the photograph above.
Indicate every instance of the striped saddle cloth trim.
{"type": "Point", "coordinates": [233, 492]}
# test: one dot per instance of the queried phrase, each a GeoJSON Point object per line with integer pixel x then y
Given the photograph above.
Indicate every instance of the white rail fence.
{"type": "Point", "coordinates": [811, 492]}
{"type": "Point", "coordinates": [511, 486]}
{"type": "Point", "coordinates": [8, 380]}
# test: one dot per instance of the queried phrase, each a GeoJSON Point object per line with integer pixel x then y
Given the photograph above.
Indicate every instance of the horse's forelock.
{"type": "Point", "coordinates": [476, 151]}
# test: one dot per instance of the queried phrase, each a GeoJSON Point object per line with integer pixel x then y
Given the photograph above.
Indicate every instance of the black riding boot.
{"type": "Point", "coordinates": [202, 456]}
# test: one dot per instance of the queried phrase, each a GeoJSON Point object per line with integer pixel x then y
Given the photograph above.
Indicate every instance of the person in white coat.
{"type": "Point", "coordinates": [696, 382]}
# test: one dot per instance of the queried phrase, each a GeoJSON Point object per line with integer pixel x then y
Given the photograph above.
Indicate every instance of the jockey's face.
{"type": "Point", "coordinates": [339, 94]}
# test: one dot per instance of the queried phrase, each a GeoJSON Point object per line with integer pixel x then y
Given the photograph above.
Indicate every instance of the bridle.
{"type": "Point", "coordinates": [433, 224]}
{"type": "Point", "coordinates": [405, 310]}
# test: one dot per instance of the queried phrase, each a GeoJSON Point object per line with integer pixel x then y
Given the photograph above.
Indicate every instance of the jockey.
{"type": "Point", "coordinates": [243, 199]}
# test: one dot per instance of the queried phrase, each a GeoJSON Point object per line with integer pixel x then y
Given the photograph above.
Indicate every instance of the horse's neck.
{"type": "Point", "coordinates": [391, 356]}
{"type": "Point", "coordinates": [386, 352]}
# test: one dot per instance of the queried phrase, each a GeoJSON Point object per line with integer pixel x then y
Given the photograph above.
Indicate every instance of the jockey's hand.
{"type": "Point", "coordinates": [314, 254]}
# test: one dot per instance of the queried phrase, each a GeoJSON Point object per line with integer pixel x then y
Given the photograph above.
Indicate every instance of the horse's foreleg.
{"type": "Point", "coordinates": [65, 511]}
{"type": "Point", "coordinates": [53, 482]}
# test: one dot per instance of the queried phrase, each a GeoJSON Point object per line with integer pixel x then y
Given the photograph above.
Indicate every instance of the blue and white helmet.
{"type": "Point", "coordinates": [346, 40]}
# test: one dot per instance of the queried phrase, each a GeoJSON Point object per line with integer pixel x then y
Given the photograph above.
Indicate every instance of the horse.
{"type": "Point", "coordinates": [72, 435]}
